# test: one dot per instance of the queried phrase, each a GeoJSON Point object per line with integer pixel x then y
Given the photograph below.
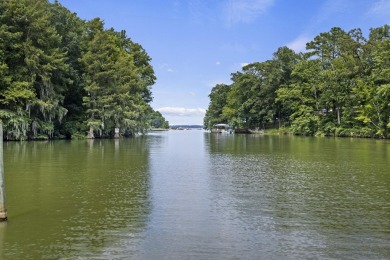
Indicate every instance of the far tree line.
{"type": "Point", "coordinates": [63, 77]}
{"type": "Point", "coordinates": [339, 87]}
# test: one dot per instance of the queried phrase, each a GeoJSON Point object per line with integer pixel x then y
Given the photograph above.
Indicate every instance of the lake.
{"type": "Point", "coordinates": [197, 195]}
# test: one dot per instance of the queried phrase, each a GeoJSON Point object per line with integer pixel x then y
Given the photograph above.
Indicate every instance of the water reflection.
{"type": "Point", "coordinates": [181, 223]}
{"type": "Point", "coordinates": [74, 199]}
{"type": "Point", "coordinates": [310, 196]}
{"type": "Point", "coordinates": [189, 194]}
{"type": "Point", "coordinates": [3, 226]}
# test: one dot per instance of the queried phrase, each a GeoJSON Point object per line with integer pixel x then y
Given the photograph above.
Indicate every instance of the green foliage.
{"type": "Point", "coordinates": [218, 99]}
{"type": "Point", "coordinates": [60, 75]}
{"type": "Point", "coordinates": [158, 121]}
{"type": "Point", "coordinates": [339, 87]}
{"type": "Point", "coordinates": [250, 101]}
{"type": "Point", "coordinates": [305, 125]}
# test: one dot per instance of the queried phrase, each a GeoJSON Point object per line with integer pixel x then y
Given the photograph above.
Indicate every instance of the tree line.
{"type": "Point", "coordinates": [339, 87]}
{"type": "Point", "coordinates": [64, 77]}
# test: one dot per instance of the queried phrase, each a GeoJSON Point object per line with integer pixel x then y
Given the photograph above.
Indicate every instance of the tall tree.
{"type": "Point", "coordinates": [99, 60]}
{"type": "Point", "coordinates": [73, 41]}
{"type": "Point", "coordinates": [251, 102]}
{"type": "Point", "coordinates": [336, 51]}
{"type": "Point", "coordinates": [135, 78]}
{"type": "Point", "coordinates": [301, 97]}
{"type": "Point", "coordinates": [32, 95]}
{"type": "Point", "coordinates": [118, 78]}
{"type": "Point", "coordinates": [218, 97]}
{"type": "Point", "coordinates": [373, 91]}
{"type": "Point", "coordinates": [339, 87]}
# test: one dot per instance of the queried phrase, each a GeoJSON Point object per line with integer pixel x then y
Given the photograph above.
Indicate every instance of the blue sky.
{"type": "Point", "coordinates": [196, 44]}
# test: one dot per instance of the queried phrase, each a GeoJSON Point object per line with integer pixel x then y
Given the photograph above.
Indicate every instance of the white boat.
{"type": "Point", "coordinates": [222, 128]}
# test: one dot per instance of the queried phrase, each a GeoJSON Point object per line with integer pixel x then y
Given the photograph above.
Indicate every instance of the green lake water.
{"type": "Point", "coordinates": [197, 195]}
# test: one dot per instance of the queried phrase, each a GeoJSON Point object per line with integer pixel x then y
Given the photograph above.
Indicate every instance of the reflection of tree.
{"type": "Point", "coordinates": [306, 194]}
{"type": "Point", "coordinates": [242, 144]}
{"type": "Point", "coordinates": [70, 199]}
{"type": "Point", "coordinates": [3, 226]}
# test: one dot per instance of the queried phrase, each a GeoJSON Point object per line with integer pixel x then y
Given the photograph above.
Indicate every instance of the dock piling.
{"type": "Point", "coordinates": [3, 210]}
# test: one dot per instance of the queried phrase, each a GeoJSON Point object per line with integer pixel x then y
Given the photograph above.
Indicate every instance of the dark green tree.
{"type": "Point", "coordinates": [118, 77]}
{"type": "Point", "coordinates": [99, 60]}
{"type": "Point", "coordinates": [218, 98]}
{"type": "Point", "coordinates": [251, 102]}
{"type": "Point", "coordinates": [336, 50]}
{"type": "Point", "coordinates": [33, 63]}
{"type": "Point", "coordinates": [301, 97]}
{"type": "Point", "coordinates": [72, 30]}
{"type": "Point", "coordinates": [372, 92]}
{"type": "Point", "coordinates": [340, 87]}
{"type": "Point", "coordinates": [158, 121]}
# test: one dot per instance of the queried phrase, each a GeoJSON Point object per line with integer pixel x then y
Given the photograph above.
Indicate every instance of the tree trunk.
{"type": "Point", "coordinates": [116, 132]}
{"type": "Point", "coordinates": [338, 116]}
{"type": "Point", "coordinates": [90, 133]}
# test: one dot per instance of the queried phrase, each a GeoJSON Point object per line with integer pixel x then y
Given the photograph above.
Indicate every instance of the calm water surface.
{"type": "Point", "coordinates": [196, 195]}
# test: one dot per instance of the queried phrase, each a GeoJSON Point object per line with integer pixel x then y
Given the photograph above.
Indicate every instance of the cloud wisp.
{"type": "Point", "coordinates": [181, 111]}
{"type": "Point", "coordinates": [165, 67]}
{"type": "Point", "coordinates": [381, 8]}
{"type": "Point", "coordinates": [245, 11]}
{"type": "Point", "coordinates": [299, 43]}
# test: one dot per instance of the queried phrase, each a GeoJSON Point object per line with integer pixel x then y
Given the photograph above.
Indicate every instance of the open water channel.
{"type": "Point", "coordinates": [197, 195]}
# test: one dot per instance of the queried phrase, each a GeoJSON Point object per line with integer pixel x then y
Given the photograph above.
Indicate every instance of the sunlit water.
{"type": "Point", "coordinates": [196, 195]}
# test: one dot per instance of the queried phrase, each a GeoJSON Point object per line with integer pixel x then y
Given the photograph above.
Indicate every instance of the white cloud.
{"type": "Point", "coordinates": [299, 44]}
{"type": "Point", "coordinates": [245, 11]}
{"type": "Point", "coordinates": [243, 64]}
{"type": "Point", "coordinates": [217, 63]}
{"type": "Point", "coordinates": [181, 111]}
